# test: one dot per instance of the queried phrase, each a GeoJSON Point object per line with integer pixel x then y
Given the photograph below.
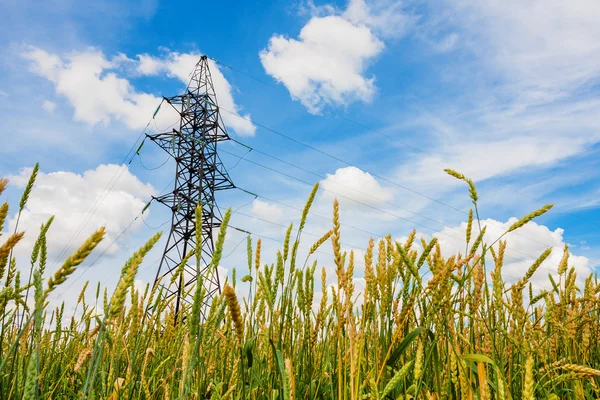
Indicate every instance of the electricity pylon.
{"type": "Point", "coordinates": [199, 174]}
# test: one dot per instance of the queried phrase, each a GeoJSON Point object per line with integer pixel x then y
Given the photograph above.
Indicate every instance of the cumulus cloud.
{"type": "Point", "coordinates": [524, 246]}
{"type": "Point", "coordinates": [90, 82]}
{"type": "Point", "coordinates": [354, 183]}
{"type": "Point", "coordinates": [267, 211]}
{"type": "Point", "coordinates": [69, 197]}
{"type": "Point", "coordinates": [178, 65]}
{"type": "Point", "coordinates": [99, 90]}
{"type": "Point", "coordinates": [327, 63]}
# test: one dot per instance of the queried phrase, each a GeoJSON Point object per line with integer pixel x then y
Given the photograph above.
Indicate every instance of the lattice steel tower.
{"type": "Point", "coordinates": [199, 174]}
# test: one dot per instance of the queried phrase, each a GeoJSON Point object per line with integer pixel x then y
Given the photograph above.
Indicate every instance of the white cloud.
{"type": "Point", "coordinates": [327, 63]}
{"type": "Point", "coordinates": [69, 197]}
{"type": "Point", "coordinates": [49, 106]}
{"type": "Point", "coordinates": [356, 184]}
{"type": "Point", "coordinates": [514, 143]}
{"type": "Point", "coordinates": [89, 81]}
{"type": "Point", "coordinates": [180, 66]}
{"type": "Point", "coordinates": [267, 211]}
{"type": "Point", "coordinates": [480, 159]}
{"type": "Point", "coordinates": [149, 65]}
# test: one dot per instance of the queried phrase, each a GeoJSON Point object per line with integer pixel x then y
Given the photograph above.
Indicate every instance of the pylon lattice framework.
{"type": "Point", "coordinates": [199, 174]}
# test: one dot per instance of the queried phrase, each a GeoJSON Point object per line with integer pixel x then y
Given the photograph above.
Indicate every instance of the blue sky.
{"type": "Point", "coordinates": [504, 92]}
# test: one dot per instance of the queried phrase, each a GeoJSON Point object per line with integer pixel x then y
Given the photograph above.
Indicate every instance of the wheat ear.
{"type": "Point", "coordinates": [74, 260]}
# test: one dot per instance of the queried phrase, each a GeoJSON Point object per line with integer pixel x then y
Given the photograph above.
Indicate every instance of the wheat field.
{"type": "Point", "coordinates": [424, 327]}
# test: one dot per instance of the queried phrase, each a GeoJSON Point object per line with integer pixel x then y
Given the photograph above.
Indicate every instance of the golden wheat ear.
{"type": "Point", "coordinates": [235, 311]}
{"type": "Point", "coordinates": [10, 244]}
{"type": "Point", "coordinates": [3, 183]}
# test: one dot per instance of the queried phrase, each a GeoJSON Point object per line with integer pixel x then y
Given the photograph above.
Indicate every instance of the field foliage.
{"type": "Point", "coordinates": [424, 327]}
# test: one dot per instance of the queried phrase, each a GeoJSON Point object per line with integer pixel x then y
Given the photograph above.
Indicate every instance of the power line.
{"type": "Point", "coordinates": [347, 163]}
{"type": "Point", "coordinates": [84, 271]}
{"type": "Point", "coordinates": [241, 158]}
{"type": "Point", "coordinates": [233, 250]}
{"type": "Point", "coordinates": [152, 168]}
{"type": "Point", "coordinates": [107, 189]}
{"type": "Point", "coordinates": [376, 235]}
{"type": "Point", "coordinates": [330, 111]}
{"type": "Point", "coordinates": [343, 161]}
{"type": "Point", "coordinates": [343, 185]}
{"type": "Point", "coordinates": [351, 247]}
{"type": "Point", "coordinates": [356, 260]}
{"type": "Point", "coordinates": [370, 206]}
{"type": "Point", "coordinates": [371, 129]}
{"type": "Point", "coordinates": [154, 228]}
{"type": "Point", "coordinates": [371, 196]}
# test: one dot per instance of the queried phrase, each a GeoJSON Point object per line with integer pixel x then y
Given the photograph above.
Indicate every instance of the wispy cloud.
{"type": "Point", "coordinates": [521, 94]}
{"type": "Point", "coordinates": [548, 47]}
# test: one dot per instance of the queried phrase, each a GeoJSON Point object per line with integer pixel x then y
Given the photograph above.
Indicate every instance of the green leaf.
{"type": "Point", "coordinates": [403, 345]}
{"type": "Point", "coordinates": [249, 354]}
{"type": "Point", "coordinates": [477, 358]}
{"type": "Point", "coordinates": [284, 379]}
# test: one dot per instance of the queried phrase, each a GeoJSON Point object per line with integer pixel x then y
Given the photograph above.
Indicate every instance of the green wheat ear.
{"type": "Point", "coordinates": [29, 187]}
{"type": "Point", "coordinates": [3, 215]}
{"type": "Point", "coordinates": [221, 240]}
{"type": "Point", "coordinates": [128, 273]}
{"type": "Point", "coordinates": [564, 261]}
{"type": "Point", "coordinates": [534, 267]}
{"type": "Point", "coordinates": [286, 242]}
{"type": "Point", "coordinates": [74, 260]}
{"type": "Point", "coordinates": [469, 226]}
{"type": "Point", "coordinates": [529, 217]}
{"type": "Point", "coordinates": [180, 268]}
{"type": "Point", "coordinates": [249, 252]}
